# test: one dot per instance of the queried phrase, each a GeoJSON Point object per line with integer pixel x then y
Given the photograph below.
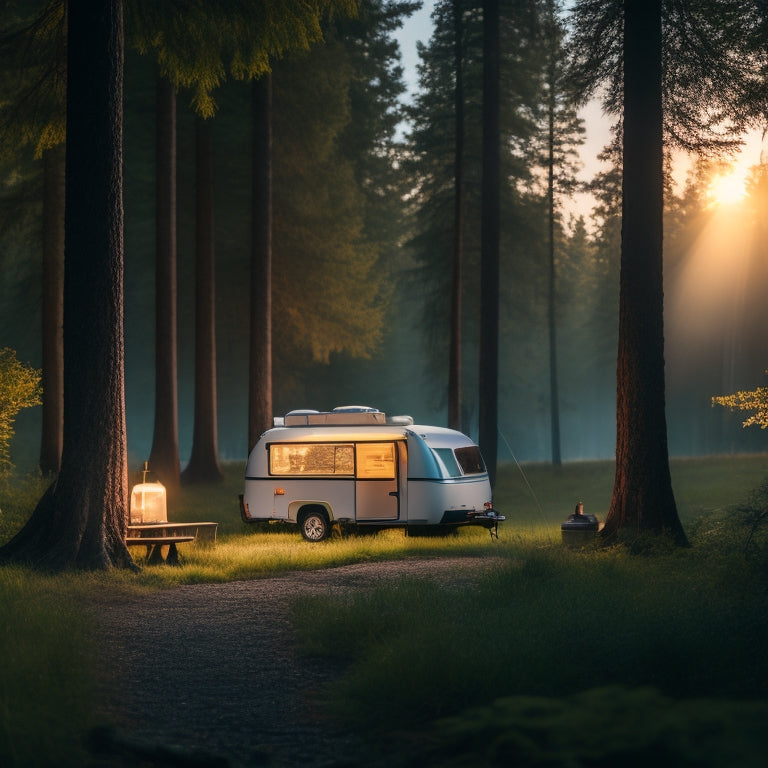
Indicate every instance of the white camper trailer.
{"type": "Point", "coordinates": [352, 465]}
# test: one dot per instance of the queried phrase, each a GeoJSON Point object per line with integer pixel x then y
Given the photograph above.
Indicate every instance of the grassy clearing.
{"type": "Point", "coordinates": [535, 501]}
{"type": "Point", "coordinates": [551, 623]}
{"type": "Point", "coordinates": [565, 658]}
{"type": "Point", "coordinates": [46, 679]}
{"type": "Point", "coordinates": [263, 553]}
{"type": "Point", "coordinates": [539, 496]}
{"type": "Point", "coordinates": [668, 652]}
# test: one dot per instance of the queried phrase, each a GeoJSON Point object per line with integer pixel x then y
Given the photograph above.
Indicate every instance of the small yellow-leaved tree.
{"type": "Point", "coordinates": [19, 388]}
{"type": "Point", "coordinates": [753, 511]}
{"type": "Point", "coordinates": [755, 402]}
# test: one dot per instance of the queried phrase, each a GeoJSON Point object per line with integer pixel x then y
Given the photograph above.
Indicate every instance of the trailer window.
{"type": "Point", "coordinates": [376, 461]}
{"type": "Point", "coordinates": [461, 461]}
{"type": "Point", "coordinates": [470, 460]}
{"type": "Point", "coordinates": [311, 459]}
{"type": "Point", "coordinates": [447, 462]}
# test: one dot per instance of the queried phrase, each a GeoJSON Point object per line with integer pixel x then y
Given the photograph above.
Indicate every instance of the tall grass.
{"type": "Point", "coordinates": [668, 650]}
{"type": "Point", "coordinates": [549, 622]}
{"type": "Point", "coordinates": [46, 677]}
{"type": "Point", "coordinates": [600, 727]}
{"type": "Point", "coordinates": [269, 551]}
{"type": "Point", "coordinates": [18, 497]}
{"type": "Point", "coordinates": [541, 496]}
{"type": "Point", "coordinates": [553, 624]}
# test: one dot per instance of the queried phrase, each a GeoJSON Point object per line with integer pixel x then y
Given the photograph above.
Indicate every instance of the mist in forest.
{"type": "Point", "coordinates": [716, 273]}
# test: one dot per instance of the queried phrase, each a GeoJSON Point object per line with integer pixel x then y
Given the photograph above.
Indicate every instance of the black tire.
{"type": "Point", "coordinates": [314, 525]}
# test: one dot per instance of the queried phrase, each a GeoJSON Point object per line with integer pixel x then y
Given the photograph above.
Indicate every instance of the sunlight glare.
{"type": "Point", "coordinates": [728, 188]}
{"type": "Point", "coordinates": [706, 291]}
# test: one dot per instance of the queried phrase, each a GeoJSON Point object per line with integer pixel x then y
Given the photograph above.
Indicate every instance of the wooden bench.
{"type": "Point", "coordinates": [200, 531]}
{"type": "Point", "coordinates": [156, 547]}
{"type": "Point", "coordinates": [161, 539]}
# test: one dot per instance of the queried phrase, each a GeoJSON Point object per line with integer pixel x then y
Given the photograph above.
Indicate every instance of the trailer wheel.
{"type": "Point", "coordinates": [314, 525]}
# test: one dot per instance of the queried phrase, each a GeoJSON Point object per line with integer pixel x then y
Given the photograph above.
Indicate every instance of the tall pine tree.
{"type": "Point", "coordinates": [670, 74]}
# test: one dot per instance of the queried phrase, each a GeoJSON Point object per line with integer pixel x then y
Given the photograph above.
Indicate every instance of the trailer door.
{"type": "Point", "coordinates": [376, 489]}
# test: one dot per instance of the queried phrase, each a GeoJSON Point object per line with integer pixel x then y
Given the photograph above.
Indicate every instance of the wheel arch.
{"type": "Point", "coordinates": [297, 510]}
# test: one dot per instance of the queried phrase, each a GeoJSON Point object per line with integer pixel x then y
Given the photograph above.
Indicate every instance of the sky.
{"type": "Point", "coordinates": [418, 28]}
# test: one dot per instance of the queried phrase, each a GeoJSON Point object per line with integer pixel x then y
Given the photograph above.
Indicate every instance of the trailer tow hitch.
{"type": "Point", "coordinates": [489, 518]}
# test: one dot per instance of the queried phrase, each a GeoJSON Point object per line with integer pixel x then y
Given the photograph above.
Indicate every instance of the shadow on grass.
{"type": "Point", "coordinates": [558, 659]}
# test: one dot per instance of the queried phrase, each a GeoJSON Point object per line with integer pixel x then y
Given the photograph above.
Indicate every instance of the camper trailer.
{"type": "Point", "coordinates": [354, 466]}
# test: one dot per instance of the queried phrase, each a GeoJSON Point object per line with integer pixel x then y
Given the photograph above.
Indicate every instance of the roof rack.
{"type": "Point", "coordinates": [348, 415]}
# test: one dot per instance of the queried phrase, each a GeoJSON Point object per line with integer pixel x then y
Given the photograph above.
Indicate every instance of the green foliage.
{"type": "Point", "coordinates": [561, 129]}
{"type": "Point", "coordinates": [33, 57]}
{"type": "Point", "coordinates": [19, 388]}
{"type": "Point", "coordinates": [197, 44]}
{"type": "Point", "coordinates": [752, 516]}
{"type": "Point", "coordinates": [614, 725]}
{"type": "Point", "coordinates": [431, 167]}
{"type": "Point", "coordinates": [706, 58]}
{"type": "Point", "coordinates": [670, 638]}
{"type": "Point", "coordinates": [755, 402]}
{"type": "Point", "coordinates": [320, 226]}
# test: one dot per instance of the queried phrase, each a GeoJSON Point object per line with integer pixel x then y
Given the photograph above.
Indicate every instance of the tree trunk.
{"type": "Point", "coordinates": [554, 395]}
{"type": "Point", "coordinates": [642, 496]}
{"type": "Point", "coordinates": [203, 464]}
{"type": "Point", "coordinates": [53, 310]}
{"type": "Point", "coordinates": [260, 370]}
{"type": "Point", "coordinates": [164, 456]}
{"type": "Point", "coordinates": [81, 520]}
{"type": "Point", "coordinates": [454, 361]}
{"type": "Point", "coordinates": [489, 256]}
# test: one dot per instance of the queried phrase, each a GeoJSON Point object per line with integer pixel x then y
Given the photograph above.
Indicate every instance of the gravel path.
{"type": "Point", "coordinates": [210, 671]}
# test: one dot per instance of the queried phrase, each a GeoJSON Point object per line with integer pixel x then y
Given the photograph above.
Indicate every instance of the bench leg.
{"type": "Point", "coordinates": [173, 555]}
{"type": "Point", "coordinates": [155, 554]}
{"type": "Point", "coordinates": [159, 554]}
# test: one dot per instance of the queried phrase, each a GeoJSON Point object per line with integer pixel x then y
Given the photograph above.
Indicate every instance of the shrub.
{"type": "Point", "coordinates": [606, 726]}
{"type": "Point", "coordinates": [752, 514]}
{"type": "Point", "coordinates": [19, 388]}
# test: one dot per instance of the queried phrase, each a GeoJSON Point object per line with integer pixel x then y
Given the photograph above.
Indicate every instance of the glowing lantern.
{"type": "Point", "coordinates": [148, 502]}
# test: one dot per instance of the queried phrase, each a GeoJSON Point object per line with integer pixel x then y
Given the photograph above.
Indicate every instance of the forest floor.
{"type": "Point", "coordinates": [210, 675]}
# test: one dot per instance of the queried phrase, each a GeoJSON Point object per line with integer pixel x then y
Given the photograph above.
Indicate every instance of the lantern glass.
{"type": "Point", "coordinates": [148, 504]}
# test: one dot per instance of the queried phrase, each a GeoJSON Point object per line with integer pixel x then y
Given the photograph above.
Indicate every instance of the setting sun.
{"type": "Point", "coordinates": [728, 188]}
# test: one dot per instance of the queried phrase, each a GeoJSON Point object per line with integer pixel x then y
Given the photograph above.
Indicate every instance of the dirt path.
{"type": "Point", "coordinates": [212, 668]}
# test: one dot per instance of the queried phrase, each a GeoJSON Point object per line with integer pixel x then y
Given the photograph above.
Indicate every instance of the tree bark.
{"type": "Point", "coordinates": [455, 357]}
{"type": "Point", "coordinates": [53, 310]}
{"type": "Point", "coordinates": [81, 520]}
{"type": "Point", "coordinates": [489, 257]}
{"type": "Point", "coordinates": [260, 366]}
{"type": "Point", "coordinates": [642, 496]}
{"type": "Point", "coordinates": [554, 394]}
{"type": "Point", "coordinates": [203, 464]}
{"type": "Point", "coordinates": [164, 456]}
